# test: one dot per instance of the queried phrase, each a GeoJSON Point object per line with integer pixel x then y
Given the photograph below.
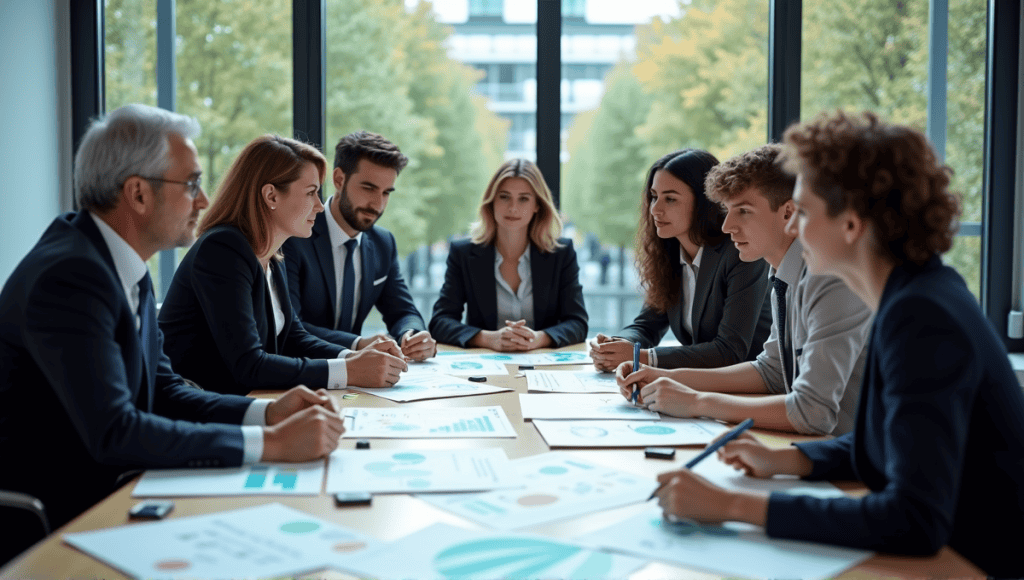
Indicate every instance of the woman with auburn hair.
{"type": "Point", "coordinates": [518, 282]}
{"type": "Point", "coordinates": [939, 434]}
{"type": "Point", "coordinates": [694, 279]}
{"type": "Point", "coordinates": [226, 319]}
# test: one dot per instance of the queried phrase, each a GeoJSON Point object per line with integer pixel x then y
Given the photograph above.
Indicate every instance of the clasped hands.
{"type": "Point", "coordinates": [514, 337]}
{"type": "Point", "coordinates": [302, 425]}
{"type": "Point", "coordinates": [658, 392]}
{"type": "Point", "coordinates": [609, 352]}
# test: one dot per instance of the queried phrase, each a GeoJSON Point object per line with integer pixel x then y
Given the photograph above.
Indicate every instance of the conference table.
{"type": "Point", "coordinates": [393, 516]}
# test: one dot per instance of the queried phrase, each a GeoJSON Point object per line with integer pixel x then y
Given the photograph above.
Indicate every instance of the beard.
{"type": "Point", "coordinates": [356, 217]}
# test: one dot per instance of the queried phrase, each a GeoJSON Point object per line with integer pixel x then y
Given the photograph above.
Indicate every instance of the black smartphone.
{"type": "Point", "coordinates": [151, 509]}
{"type": "Point", "coordinates": [660, 452]}
{"type": "Point", "coordinates": [353, 498]}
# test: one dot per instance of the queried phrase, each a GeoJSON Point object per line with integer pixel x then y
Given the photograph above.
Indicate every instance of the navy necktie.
{"type": "Point", "coordinates": [784, 346]}
{"type": "Point", "coordinates": [348, 287]}
{"type": "Point", "coordinates": [147, 335]}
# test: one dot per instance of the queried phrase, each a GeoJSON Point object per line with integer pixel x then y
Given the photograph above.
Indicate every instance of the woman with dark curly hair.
{"type": "Point", "coordinates": [939, 434]}
{"type": "Point", "coordinates": [694, 279]}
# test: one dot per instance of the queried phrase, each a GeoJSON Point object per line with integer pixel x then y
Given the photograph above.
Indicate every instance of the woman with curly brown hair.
{"type": "Point", "coordinates": [939, 433]}
{"type": "Point", "coordinates": [694, 279]}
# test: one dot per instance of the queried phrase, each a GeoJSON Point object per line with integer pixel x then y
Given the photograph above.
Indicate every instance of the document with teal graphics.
{"type": "Point", "coordinates": [416, 471]}
{"type": "Point", "coordinates": [259, 479]}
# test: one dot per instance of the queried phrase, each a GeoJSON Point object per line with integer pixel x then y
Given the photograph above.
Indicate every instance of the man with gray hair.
{"type": "Point", "coordinates": [85, 389]}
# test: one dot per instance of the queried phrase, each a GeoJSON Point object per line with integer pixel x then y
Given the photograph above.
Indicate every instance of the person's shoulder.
{"type": "Point", "coordinates": [66, 254]}
{"type": "Point", "coordinates": [929, 291]}
{"type": "Point", "coordinates": [463, 246]}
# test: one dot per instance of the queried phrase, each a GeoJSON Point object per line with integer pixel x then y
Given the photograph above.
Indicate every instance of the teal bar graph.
{"type": "Point", "coordinates": [478, 425]}
{"type": "Point", "coordinates": [286, 479]}
{"type": "Point", "coordinates": [257, 477]}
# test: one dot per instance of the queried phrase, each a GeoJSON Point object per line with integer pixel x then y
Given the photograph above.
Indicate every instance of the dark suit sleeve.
{"type": "Point", "coordinates": [223, 280]}
{"type": "Point", "coordinates": [446, 321]}
{"type": "Point", "coordinates": [745, 289]}
{"type": "Point", "coordinates": [297, 271]}
{"type": "Point", "coordinates": [928, 372]}
{"type": "Point", "coordinates": [395, 303]}
{"type": "Point", "coordinates": [648, 328]}
{"type": "Point", "coordinates": [74, 333]}
{"type": "Point", "coordinates": [572, 314]}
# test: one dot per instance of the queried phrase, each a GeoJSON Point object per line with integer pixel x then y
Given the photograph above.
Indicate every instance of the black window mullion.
{"type": "Point", "coordinates": [87, 82]}
{"type": "Point", "coordinates": [549, 99]}
{"type": "Point", "coordinates": [309, 37]}
{"type": "Point", "coordinates": [785, 21]}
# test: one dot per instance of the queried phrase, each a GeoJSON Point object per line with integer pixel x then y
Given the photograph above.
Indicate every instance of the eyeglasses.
{"type": "Point", "coordinates": [192, 186]}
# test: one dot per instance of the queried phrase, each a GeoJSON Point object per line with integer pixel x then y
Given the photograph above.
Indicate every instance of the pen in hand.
{"type": "Point", "coordinates": [636, 367]}
{"type": "Point", "coordinates": [715, 446]}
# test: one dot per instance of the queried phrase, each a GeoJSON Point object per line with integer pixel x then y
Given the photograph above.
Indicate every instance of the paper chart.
{"type": "Point", "coordinates": [557, 486]}
{"type": "Point", "coordinates": [459, 366]}
{"type": "Point", "coordinates": [731, 548]}
{"type": "Point", "coordinates": [444, 552]}
{"type": "Point", "coordinates": [582, 406]}
{"type": "Point", "coordinates": [430, 386]}
{"type": "Point", "coordinates": [259, 479]}
{"type": "Point", "coordinates": [420, 423]}
{"type": "Point", "coordinates": [725, 476]}
{"type": "Point", "coordinates": [628, 433]}
{"type": "Point", "coordinates": [406, 471]}
{"type": "Point", "coordinates": [589, 381]}
{"type": "Point", "coordinates": [264, 541]}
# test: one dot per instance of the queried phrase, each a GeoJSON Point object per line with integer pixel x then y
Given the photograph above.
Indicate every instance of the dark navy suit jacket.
{"type": "Point", "coordinates": [469, 283]}
{"type": "Point", "coordinates": [939, 436]}
{"type": "Point", "coordinates": [731, 314]}
{"type": "Point", "coordinates": [219, 324]}
{"type": "Point", "coordinates": [312, 283]}
{"type": "Point", "coordinates": [78, 404]}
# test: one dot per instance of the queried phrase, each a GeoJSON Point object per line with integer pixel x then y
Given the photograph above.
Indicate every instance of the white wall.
{"type": "Point", "coordinates": [32, 112]}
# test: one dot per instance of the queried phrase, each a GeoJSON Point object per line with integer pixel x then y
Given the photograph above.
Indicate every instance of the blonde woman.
{"type": "Point", "coordinates": [517, 282]}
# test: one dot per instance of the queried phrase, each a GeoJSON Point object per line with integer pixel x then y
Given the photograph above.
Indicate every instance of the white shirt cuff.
{"type": "Point", "coordinates": [252, 444]}
{"type": "Point", "coordinates": [652, 358]}
{"type": "Point", "coordinates": [337, 372]}
{"type": "Point", "coordinates": [256, 414]}
{"type": "Point", "coordinates": [355, 344]}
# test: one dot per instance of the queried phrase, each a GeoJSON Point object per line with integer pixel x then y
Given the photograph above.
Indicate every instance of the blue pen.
{"type": "Point", "coordinates": [732, 434]}
{"type": "Point", "coordinates": [636, 367]}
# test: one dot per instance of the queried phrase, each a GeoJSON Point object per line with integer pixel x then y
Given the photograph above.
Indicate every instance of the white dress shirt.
{"type": "Point", "coordinates": [340, 252]}
{"type": "Point", "coordinates": [687, 291]}
{"type": "Point", "coordinates": [130, 269]}
{"type": "Point", "coordinates": [519, 304]}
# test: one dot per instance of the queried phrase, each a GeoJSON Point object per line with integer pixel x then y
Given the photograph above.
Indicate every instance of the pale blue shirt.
{"type": "Point", "coordinates": [130, 269]}
{"type": "Point", "coordinates": [515, 305]}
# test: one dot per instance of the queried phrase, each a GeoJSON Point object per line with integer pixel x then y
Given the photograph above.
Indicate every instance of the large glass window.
{"type": "Point", "coordinates": [873, 55]}
{"type": "Point", "coordinates": [696, 78]}
{"type": "Point", "coordinates": [401, 70]}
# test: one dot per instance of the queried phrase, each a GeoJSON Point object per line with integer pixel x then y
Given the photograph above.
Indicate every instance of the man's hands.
{"type": "Point", "coordinates": [609, 352]}
{"type": "Point", "coordinates": [365, 341]}
{"type": "Point", "coordinates": [514, 337]}
{"type": "Point", "coordinates": [302, 425]}
{"type": "Point", "coordinates": [756, 459]}
{"type": "Point", "coordinates": [377, 365]}
{"type": "Point", "coordinates": [418, 346]}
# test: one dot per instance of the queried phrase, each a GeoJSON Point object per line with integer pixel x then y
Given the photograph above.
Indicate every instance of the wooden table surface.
{"type": "Point", "coordinates": [394, 516]}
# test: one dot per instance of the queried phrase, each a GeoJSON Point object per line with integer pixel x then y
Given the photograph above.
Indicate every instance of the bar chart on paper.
{"type": "Point", "coordinates": [427, 423]}
{"type": "Point", "coordinates": [260, 479]}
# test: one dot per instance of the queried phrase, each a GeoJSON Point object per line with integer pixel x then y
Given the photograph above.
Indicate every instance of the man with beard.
{"type": "Point", "coordinates": [350, 265]}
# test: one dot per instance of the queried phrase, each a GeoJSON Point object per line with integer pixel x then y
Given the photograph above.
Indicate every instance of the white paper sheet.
{"type": "Point", "coordinates": [460, 366]}
{"type": "Point", "coordinates": [628, 433]}
{"type": "Point", "coordinates": [420, 423]}
{"type": "Point", "coordinates": [732, 549]}
{"type": "Point", "coordinates": [558, 486]}
{"type": "Point", "coordinates": [444, 552]}
{"type": "Point", "coordinates": [431, 386]}
{"type": "Point", "coordinates": [567, 357]}
{"type": "Point", "coordinates": [260, 479]}
{"type": "Point", "coordinates": [589, 381]}
{"type": "Point", "coordinates": [258, 542]}
{"type": "Point", "coordinates": [582, 406]}
{"type": "Point", "coordinates": [406, 471]}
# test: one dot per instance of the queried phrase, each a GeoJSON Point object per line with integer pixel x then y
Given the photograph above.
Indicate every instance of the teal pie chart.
{"type": "Point", "coordinates": [519, 558]}
{"type": "Point", "coordinates": [654, 430]}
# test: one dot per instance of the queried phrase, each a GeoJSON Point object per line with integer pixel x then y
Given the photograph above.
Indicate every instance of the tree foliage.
{"type": "Point", "coordinates": [704, 75]}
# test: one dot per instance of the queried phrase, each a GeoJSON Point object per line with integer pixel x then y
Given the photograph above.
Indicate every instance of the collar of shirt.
{"type": "Point", "coordinates": [127, 262]}
{"type": "Point", "coordinates": [792, 264]}
{"type": "Point", "coordinates": [338, 235]}
{"type": "Point", "coordinates": [524, 261]}
{"type": "Point", "coordinates": [696, 259]}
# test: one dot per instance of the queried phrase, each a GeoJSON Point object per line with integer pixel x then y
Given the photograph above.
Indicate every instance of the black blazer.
{"type": "Point", "coordinates": [219, 324]}
{"type": "Point", "coordinates": [76, 398]}
{"type": "Point", "coordinates": [731, 315]}
{"type": "Point", "coordinates": [312, 285]}
{"type": "Point", "coordinates": [939, 436]}
{"type": "Point", "coordinates": [557, 294]}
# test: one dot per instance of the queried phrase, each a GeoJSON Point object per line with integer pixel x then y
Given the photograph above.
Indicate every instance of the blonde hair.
{"type": "Point", "coordinates": [545, 225]}
{"type": "Point", "coordinates": [268, 159]}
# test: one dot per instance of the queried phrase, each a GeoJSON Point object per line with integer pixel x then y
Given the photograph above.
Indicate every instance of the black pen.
{"type": "Point", "coordinates": [732, 434]}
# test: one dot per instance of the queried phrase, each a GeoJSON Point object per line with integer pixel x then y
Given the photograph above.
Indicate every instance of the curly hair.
{"type": "Point", "coordinates": [887, 173]}
{"type": "Point", "coordinates": [758, 168]}
{"type": "Point", "coordinates": [657, 258]}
